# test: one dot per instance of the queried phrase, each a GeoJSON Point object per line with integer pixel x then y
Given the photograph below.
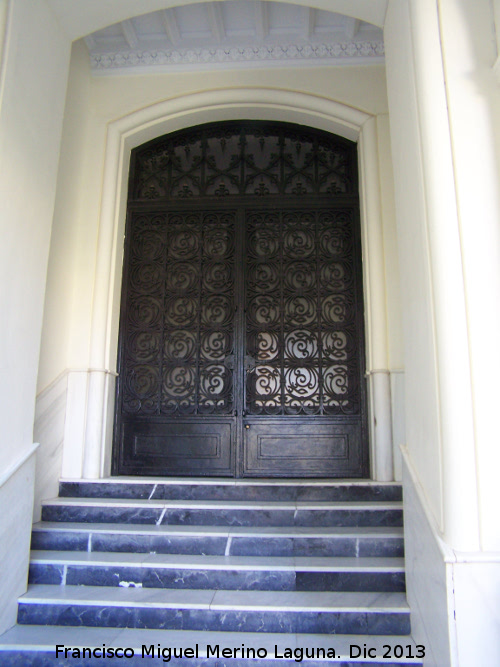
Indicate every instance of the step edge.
{"type": "Point", "coordinates": [246, 505]}
{"type": "Point", "coordinates": [225, 481]}
{"type": "Point", "coordinates": [294, 601]}
{"type": "Point", "coordinates": [209, 562]}
{"type": "Point", "coordinates": [223, 531]}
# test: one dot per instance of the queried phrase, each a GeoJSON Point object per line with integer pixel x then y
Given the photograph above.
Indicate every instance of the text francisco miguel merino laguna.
{"type": "Point", "coordinates": [167, 653]}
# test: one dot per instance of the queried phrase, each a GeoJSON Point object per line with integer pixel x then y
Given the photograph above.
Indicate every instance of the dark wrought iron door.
{"type": "Point", "coordinates": [303, 387]}
{"type": "Point", "coordinates": [241, 338]}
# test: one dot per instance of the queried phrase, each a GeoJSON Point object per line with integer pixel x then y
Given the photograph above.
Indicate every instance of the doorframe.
{"type": "Point", "coordinates": [177, 113]}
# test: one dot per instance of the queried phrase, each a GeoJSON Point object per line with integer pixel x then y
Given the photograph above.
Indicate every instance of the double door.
{"type": "Point", "coordinates": [241, 343]}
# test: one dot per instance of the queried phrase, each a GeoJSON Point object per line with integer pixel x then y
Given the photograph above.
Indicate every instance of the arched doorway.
{"type": "Point", "coordinates": [241, 337]}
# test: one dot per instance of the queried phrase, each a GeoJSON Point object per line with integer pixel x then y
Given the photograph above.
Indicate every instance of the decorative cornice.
{"type": "Point", "coordinates": [323, 53]}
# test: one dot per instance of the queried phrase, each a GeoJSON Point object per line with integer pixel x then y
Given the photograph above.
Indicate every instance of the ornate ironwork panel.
{"type": "Point", "coordinates": [241, 336]}
{"type": "Point", "coordinates": [301, 324]}
{"type": "Point", "coordinates": [232, 159]}
{"type": "Point", "coordinates": [178, 325]}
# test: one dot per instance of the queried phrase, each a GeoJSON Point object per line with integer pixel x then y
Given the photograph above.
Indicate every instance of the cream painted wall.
{"type": "Point", "coordinates": [395, 351]}
{"type": "Point", "coordinates": [3, 21]}
{"type": "Point", "coordinates": [62, 297]}
{"type": "Point", "coordinates": [92, 104]}
{"type": "Point", "coordinates": [360, 87]}
{"type": "Point", "coordinates": [35, 75]}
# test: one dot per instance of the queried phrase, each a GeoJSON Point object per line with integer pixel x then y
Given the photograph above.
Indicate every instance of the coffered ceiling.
{"type": "Point", "coordinates": [234, 33]}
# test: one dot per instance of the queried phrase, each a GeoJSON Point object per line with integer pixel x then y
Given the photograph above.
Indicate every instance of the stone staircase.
{"type": "Point", "coordinates": [216, 573]}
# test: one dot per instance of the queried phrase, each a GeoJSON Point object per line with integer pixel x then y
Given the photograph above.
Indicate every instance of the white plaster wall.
{"type": "Point", "coordinates": [33, 78]}
{"type": "Point", "coordinates": [444, 112]}
{"type": "Point", "coordinates": [32, 100]}
{"type": "Point", "coordinates": [473, 101]}
{"type": "Point", "coordinates": [446, 150]}
{"type": "Point", "coordinates": [422, 419]}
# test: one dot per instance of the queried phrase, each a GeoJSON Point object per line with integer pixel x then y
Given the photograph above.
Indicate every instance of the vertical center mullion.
{"type": "Point", "coordinates": [319, 314]}
{"type": "Point", "coordinates": [198, 322]}
{"type": "Point", "coordinates": [240, 308]}
{"type": "Point", "coordinates": [282, 310]}
{"type": "Point", "coordinates": [164, 328]}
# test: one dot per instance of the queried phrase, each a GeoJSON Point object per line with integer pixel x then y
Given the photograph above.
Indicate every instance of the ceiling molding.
{"type": "Point", "coordinates": [306, 54]}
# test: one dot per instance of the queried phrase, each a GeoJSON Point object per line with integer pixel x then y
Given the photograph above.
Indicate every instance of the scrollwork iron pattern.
{"type": "Point", "coordinates": [301, 325]}
{"type": "Point", "coordinates": [178, 326]}
{"type": "Point", "coordinates": [230, 159]}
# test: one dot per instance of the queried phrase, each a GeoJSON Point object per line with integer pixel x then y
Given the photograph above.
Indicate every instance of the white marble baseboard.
{"type": "Point", "coordinates": [16, 499]}
{"type": "Point", "coordinates": [50, 415]}
{"type": "Point", "coordinates": [453, 597]}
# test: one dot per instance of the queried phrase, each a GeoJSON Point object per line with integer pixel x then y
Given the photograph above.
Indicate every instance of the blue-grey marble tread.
{"type": "Point", "coordinates": [40, 641]}
{"type": "Point", "coordinates": [203, 489]}
{"type": "Point", "coordinates": [219, 572]}
{"type": "Point", "coordinates": [220, 540]}
{"type": "Point", "coordinates": [224, 513]}
{"type": "Point", "coordinates": [41, 659]}
{"type": "Point", "coordinates": [216, 610]}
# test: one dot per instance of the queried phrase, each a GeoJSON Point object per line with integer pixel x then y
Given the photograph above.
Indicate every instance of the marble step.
{"type": "Point", "coordinates": [220, 572]}
{"type": "Point", "coordinates": [34, 646]}
{"type": "Point", "coordinates": [230, 489]}
{"type": "Point", "coordinates": [216, 610]}
{"type": "Point", "coordinates": [225, 513]}
{"type": "Point", "coordinates": [220, 540]}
